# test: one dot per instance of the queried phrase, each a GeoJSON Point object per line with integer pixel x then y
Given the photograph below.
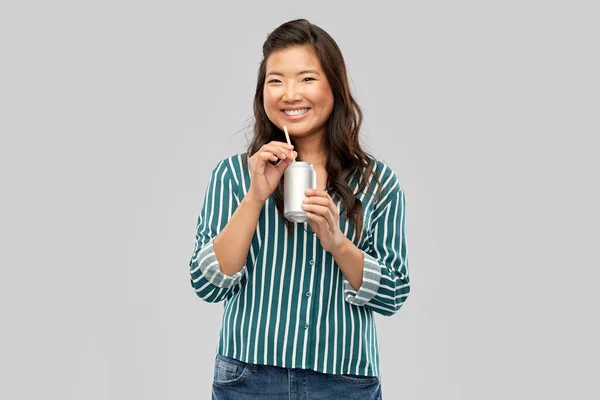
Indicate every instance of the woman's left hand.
{"type": "Point", "coordinates": [324, 219]}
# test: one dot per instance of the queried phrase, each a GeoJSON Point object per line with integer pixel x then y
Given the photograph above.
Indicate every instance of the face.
{"type": "Point", "coordinates": [296, 92]}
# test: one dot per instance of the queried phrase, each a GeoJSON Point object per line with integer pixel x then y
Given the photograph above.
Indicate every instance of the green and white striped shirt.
{"type": "Point", "coordinates": [290, 306]}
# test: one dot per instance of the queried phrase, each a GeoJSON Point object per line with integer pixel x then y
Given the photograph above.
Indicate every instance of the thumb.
{"type": "Point", "coordinates": [286, 162]}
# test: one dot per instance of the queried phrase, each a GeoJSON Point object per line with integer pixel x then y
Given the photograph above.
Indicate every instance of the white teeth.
{"type": "Point", "coordinates": [296, 112]}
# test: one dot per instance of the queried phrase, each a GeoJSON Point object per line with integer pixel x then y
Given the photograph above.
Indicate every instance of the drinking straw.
{"type": "Point", "coordinates": [287, 136]}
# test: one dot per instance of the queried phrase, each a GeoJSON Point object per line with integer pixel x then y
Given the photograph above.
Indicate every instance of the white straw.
{"type": "Point", "coordinates": [287, 136]}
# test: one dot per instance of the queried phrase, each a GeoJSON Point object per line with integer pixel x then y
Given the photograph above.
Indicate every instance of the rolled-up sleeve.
{"type": "Point", "coordinates": [386, 283]}
{"type": "Point", "coordinates": [220, 202]}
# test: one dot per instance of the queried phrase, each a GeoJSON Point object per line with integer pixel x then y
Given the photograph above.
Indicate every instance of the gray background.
{"type": "Point", "coordinates": [113, 114]}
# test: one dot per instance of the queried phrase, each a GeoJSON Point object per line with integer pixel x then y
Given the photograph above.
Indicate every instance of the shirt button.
{"type": "Point", "coordinates": [308, 294]}
{"type": "Point", "coordinates": [312, 262]}
{"type": "Point", "coordinates": [306, 326]}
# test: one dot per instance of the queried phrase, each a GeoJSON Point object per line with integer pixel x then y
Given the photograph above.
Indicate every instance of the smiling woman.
{"type": "Point", "coordinates": [297, 92]}
{"type": "Point", "coordinates": [299, 306]}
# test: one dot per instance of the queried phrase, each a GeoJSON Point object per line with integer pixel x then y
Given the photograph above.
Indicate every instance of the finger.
{"type": "Point", "coordinates": [275, 150]}
{"type": "Point", "coordinates": [276, 154]}
{"type": "Point", "coordinates": [321, 197]}
{"type": "Point", "coordinates": [332, 206]}
{"type": "Point", "coordinates": [316, 221]}
{"type": "Point", "coordinates": [276, 162]}
{"type": "Point", "coordinates": [316, 192]}
{"type": "Point", "coordinates": [282, 166]}
{"type": "Point", "coordinates": [265, 157]}
{"type": "Point", "coordinates": [321, 211]}
{"type": "Point", "coordinates": [323, 201]}
{"type": "Point", "coordinates": [283, 145]}
{"type": "Point", "coordinates": [292, 156]}
{"type": "Point", "coordinates": [313, 225]}
{"type": "Point", "coordinates": [280, 151]}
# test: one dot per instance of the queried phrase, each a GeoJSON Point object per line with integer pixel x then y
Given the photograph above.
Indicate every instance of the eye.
{"type": "Point", "coordinates": [307, 79]}
{"type": "Point", "coordinates": [274, 81]}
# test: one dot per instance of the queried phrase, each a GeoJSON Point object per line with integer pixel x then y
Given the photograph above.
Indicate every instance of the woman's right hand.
{"type": "Point", "coordinates": [265, 176]}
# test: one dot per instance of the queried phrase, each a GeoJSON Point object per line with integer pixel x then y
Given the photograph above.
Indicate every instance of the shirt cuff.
{"type": "Point", "coordinates": [370, 284]}
{"type": "Point", "coordinates": [209, 269]}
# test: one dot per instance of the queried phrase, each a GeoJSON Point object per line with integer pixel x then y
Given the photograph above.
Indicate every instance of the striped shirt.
{"type": "Point", "coordinates": [290, 306]}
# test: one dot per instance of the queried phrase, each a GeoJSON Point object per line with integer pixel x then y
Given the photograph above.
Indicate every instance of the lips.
{"type": "Point", "coordinates": [295, 111]}
{"type": "Point", "coordinates": [294, 114]}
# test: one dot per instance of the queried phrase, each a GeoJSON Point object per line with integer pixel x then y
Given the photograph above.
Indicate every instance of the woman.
{"type": "Point", "coordinates": [300, 298]}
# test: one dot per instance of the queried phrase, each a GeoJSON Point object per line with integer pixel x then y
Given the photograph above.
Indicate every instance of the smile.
{"type": "Point", "coordinates": [296, 112]}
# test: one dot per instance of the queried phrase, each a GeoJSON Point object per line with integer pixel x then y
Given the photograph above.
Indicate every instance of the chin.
{"type": "Point", "coordinates": [298, 129]}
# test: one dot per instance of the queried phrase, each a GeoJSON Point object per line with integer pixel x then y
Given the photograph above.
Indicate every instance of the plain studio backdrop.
{"type": "Point", "coordinates": [114, 113]}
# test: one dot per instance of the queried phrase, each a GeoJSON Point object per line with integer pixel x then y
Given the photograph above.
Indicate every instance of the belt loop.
{"type": "Point", "coordinates": [254, 367]}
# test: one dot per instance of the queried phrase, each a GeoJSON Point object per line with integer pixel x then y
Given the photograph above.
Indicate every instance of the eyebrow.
{"type": "Point", "coordinates": [308, 71]}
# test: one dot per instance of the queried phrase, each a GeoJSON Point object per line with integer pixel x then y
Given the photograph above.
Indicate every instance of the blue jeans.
{"type": "Point", "coordinates": [237, 380]}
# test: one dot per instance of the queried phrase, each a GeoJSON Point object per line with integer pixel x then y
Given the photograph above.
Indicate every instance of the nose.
{"type": "Point", "coordinates": [291, 94]}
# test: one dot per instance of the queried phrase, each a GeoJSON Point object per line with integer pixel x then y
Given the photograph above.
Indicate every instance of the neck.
{"type": "Point", "coordinates": [312, 150]}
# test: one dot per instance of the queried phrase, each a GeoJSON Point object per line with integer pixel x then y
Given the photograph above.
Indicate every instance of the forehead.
{"type": "Point", "coordinates": [290, 59]}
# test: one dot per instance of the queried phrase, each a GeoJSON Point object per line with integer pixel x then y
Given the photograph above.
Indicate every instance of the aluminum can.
{"type": "Point", "coordinates": [298, 177]}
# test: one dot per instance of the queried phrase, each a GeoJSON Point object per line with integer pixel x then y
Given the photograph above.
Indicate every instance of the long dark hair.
{"type": "Point", "coordinates": [345, 156]}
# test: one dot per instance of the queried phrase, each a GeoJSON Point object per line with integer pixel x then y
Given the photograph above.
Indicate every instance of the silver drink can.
{"type": "Point", "coordinates": [298, 177]}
